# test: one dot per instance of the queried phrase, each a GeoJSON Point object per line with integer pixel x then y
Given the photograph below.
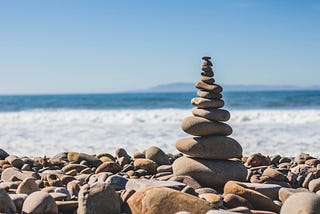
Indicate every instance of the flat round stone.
{"type": "Point", "coordinates": [206, 63]}
{"type": "Point", "coordinates": [198, 126]}
{"type": "Point", "coordinates": [206, 58]}
{"type": "Point", "coordinates": [212, 114]}
{"type": "Point", "coordinates": [207, 103]}
{"type": "Point", "coordinates": [209, 95]}
{"type": "Point", "coordinates": [210, 147]}
{"type": "Point", "coordinates": [208, 80]}
{"type": "Point", "coordinates": [207, 73]}
{"type": "Point", "coordinates": [215, 88]}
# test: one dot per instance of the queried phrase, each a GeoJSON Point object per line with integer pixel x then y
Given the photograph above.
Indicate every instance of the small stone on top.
{"type": "Point", "coordinates": [206, 57]}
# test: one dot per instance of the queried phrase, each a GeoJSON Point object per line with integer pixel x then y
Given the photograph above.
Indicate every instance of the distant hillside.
{"type": "Point", "coordinates": [189, 87]}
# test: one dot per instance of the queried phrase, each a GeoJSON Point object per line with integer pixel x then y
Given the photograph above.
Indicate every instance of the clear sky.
{"type": "Point", "coordinates": [65, 46]}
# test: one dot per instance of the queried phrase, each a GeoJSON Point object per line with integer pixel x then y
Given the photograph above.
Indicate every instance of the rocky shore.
{"type": "Point", "coordinates": [209, 176]}
{"type": "Point", "coordinates": [72, 182]}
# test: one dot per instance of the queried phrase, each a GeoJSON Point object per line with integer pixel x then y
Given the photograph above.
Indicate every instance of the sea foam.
{"type": "Point", "coordinates": [47, 132]}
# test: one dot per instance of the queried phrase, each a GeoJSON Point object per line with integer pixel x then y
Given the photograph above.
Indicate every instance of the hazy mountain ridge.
{"type": "Point", "coordinates": [189, 87]}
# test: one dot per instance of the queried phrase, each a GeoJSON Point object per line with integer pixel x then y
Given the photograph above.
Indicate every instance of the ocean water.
{"type": "Point", "coordinates": [273, 122]}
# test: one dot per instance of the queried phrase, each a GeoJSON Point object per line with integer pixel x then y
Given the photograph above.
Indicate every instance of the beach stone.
{"type": "Point", "coordinates": [312, 162]}
{"type": "Point", "coordinates": [157, 155]}
{"type": "Point", "coordinates": [203, 190]}
{"type": "Point", "coordinates": [285, 193]}
{"type": "Point", "coordinates": [232, 201]}
{"type": "Point", "coordinates": [214, 199]}
{"type": "Point", "coordinates": [147, 164]}
{"type": "Point", "coordinates": [314, 185]}
{"type": "Point", "coordinates": [73, 188]}
{"type": "Point", "coordinates": [244, 210]}
{"type": "Point", "coordinates": [137, 184]}
{"type": "Point", "coordinates": [210, 147]}
{"type": "Point", "coordinates": [3, 154]}
{"type": "Point", "coordinates": [117, 182]}
{"type": "Point", "coordinates": [210, 173]}
{"type": "Point", "coordinates": [137, 155]}
{"type": "Point", "coordinates": [209, 95]}
{"type": "Point", "coordinates": [274, 174]}
{"type": "Point", "coordinates": [152, 200]}
{"type": "Point", "coordinates": [269, 190]}
{"type": "Point", "coordinates": [71, 167]}
{"type": "Point", "coordinates": [40, 202]}
{"type": "Point", "coordinates": [258, 159]}
{"type": "Point", "coordinates": [210, 88]}
{"type": "Point", "coordinates": [12, 172]}
{"type": "Point", "coordinates": [207, 103]}
{"type": "Point", "coordinates": [301, 158]}
{"type": "Point", "coordinates": [164, 168]}
{"type": "Point", "coordinates": [18, 200]}
{"type": "Point", "coordinates": [189, 181]}
{"type": "Point", "coordinates": [6, 203]}
{"type": "Point", "coordinates": [212, 114]}
{"type": "Point", "coordinates": [258, 200]}
{"type": "Point", "coordinates": [108, 167]}
{"type": "Point", "coordinates": [98, 198]}
{"type": "Point", "coordinates": [27, 186]}
{"type": "Point", "coordinates": [220, 211]}
{"type": "Point", "coordinates": [200, 127]}
{"type": "Point", "coordinates": [15, 161]}
{"type": "Point", "coordinates": [301, 169]}
{"type": "Point", "coordinates": [207, 80]}
{"type": "Point", "coordinates": [122, 156]}
{"type": "Point", "coordinates": [58, 196]}
{"type": "Point", "coordinates": [67, 206]}
{"type": "Point", "coordinates": [302, 202]}
{"type": "Point", "coordinates": [78, 157]}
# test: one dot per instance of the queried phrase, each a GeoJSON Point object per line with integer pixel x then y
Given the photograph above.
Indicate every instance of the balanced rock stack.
{"type": "Point", "coordinates": [213, 158]}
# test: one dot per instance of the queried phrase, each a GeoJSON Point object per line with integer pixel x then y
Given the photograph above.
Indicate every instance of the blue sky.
{"type": "Point", "coordinates": [58, 46]}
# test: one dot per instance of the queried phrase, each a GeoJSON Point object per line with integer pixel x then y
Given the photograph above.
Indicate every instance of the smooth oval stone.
{"type": "Point", "coordinates": [3, 154]}
{"type": "Point", "coordinates": [40, 202]}
{"type": "Point", "coordinates": [207, 103]}
{"type": "Point", "coordinates": [210, 95]}
{"type": "Point", "coordinates": [147, 164]}
{"type": "Point", "coordinates": [258, 200]}
{"type": "Point", "coordinates": [207, 80]}
{"type": "Point", "coordinates": [152, 200]}
{"type": "Point", "coordinates": [285, 193]}
{"type": "Point", "coordinates": [117, 182]}
{"type": "Point", "coordinates": [206, 63]}
{"type": "Point", "coordinates": [302, 202]}
{"type": "Point", "coordinates": [200, 127]}
{"type": "Point", "coordinates": [211, 88]}
{"type": "Point", "coordinates": [210, 147]}
{"type": "Point", "coordinates": [233, 201]}
{"type": "Point", "coordinates": [314, 185]}
{"type": "Point", "coordinates": [98, 198]}
{"type": "Point", "coordinates": [210, 173]}
{"type": "Point", "coordinates": [27, 186]}
{"type": "Point", "coordinates": [212, 114]}
{"type": "Point", "coordinates": [109, 166]}
{"type": "Point", "coordinates": [6, 203]}
{"type": "Point", "coordinates": [157, 155]}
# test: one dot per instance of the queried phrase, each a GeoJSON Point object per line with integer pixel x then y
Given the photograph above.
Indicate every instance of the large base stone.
{"type": "Point", "coordinates": [210, 173]}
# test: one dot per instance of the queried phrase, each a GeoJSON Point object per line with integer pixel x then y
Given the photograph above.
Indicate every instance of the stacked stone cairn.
{"type": "Point", "coordinates": [212, 157]}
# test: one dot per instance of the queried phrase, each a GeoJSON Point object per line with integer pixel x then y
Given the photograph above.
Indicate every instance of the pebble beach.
{"type": "Point", "coordinates": [209, 172]}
